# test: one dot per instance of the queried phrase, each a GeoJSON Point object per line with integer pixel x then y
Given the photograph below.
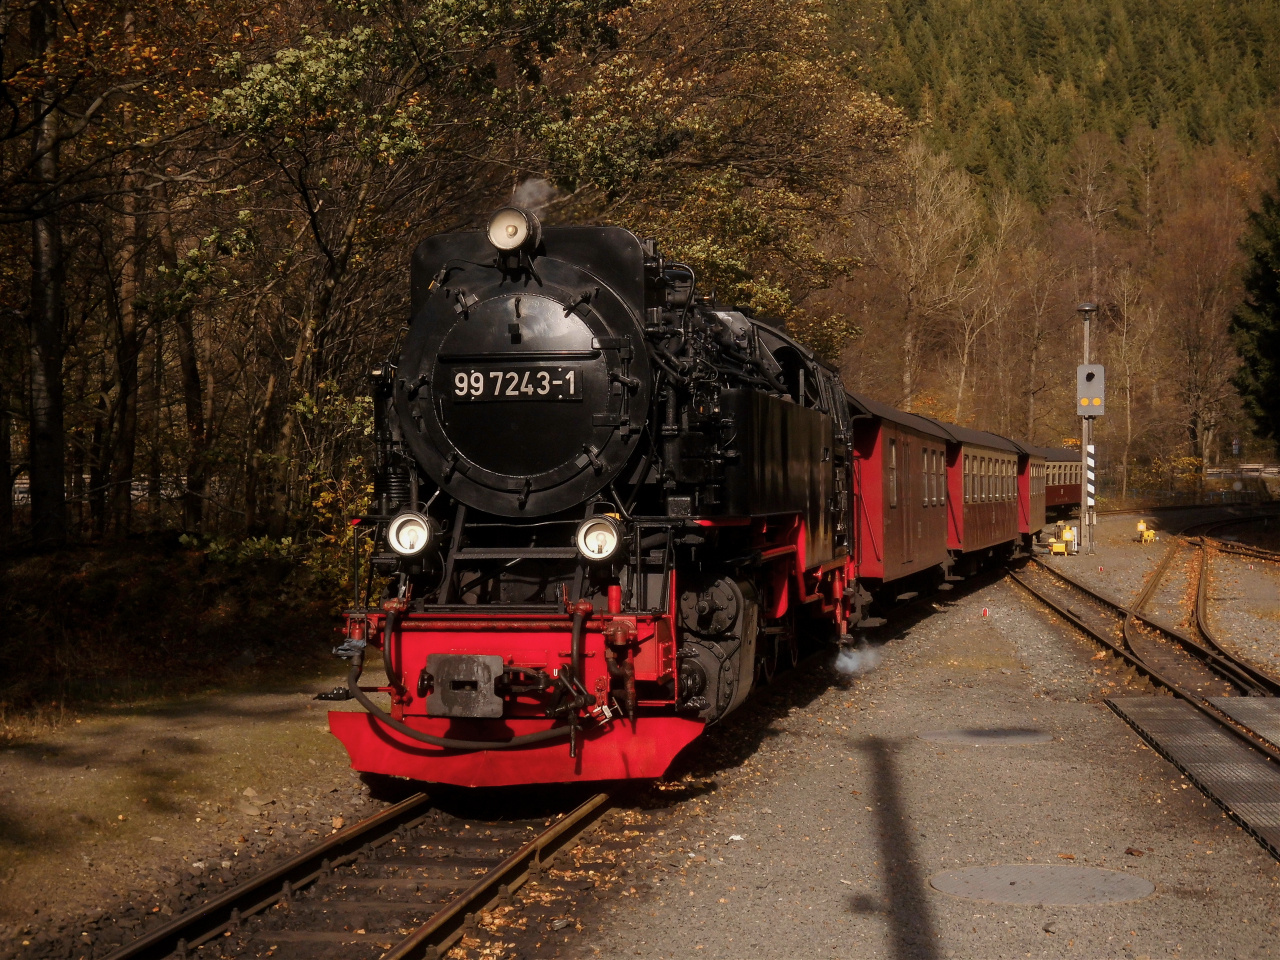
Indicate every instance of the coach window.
{"type": "Point", "coordinates": [942, 478]}
{"type": "Point", "coordinates": [892, 472]}
{"type": "Point", "coordinates": [930, 463]}
{"type": "Point", "coordinates": [982, 479]}
{"type": "Point", "coordinates": [924, 477]}
{"type": "Point", "coordinates": [968, 481]}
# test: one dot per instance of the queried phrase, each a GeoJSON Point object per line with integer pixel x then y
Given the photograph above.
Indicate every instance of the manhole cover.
{"type": "Point", "coordinates": [1045, 884]}
{"type": "Point", "coordinates": [985, 737]}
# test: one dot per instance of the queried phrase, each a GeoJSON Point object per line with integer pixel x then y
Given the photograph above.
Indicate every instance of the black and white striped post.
{"type": "Point", "coordinates": [1090, 403]}
{"type": "Point", "coordinates": [1090, 487]}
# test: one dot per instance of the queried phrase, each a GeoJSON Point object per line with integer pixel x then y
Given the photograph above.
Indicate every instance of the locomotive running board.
{"type": "Point", "coordinates": [1239, 779]}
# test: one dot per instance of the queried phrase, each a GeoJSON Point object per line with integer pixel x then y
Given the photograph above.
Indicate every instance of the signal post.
{"type": "Point", "coordinates": [1090, 403]}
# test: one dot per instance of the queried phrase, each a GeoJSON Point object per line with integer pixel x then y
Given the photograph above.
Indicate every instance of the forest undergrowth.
{"type": "Point", "coordinates": [102, 627]}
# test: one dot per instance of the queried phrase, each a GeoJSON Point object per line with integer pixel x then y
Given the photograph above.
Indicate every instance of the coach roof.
{"type": "Point", "coordinates": [926, 425]}
{"type": "Point", "coordinates": [1060, 454]}
{"type": "Point", "coordinates": [978, 438]}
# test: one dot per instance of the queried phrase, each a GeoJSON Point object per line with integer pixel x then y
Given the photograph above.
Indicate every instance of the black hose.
{"type": "Point", "coordinates": [353, 684]}
{"type": "Point", "coordinates": [389, 662]}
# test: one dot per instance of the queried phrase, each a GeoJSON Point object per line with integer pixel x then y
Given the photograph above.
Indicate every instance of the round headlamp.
{"type": "Point", "coordinates": [514, 227]}
{"type": "Point", "coordinates": [410, 533]}
{"type": "Point", "coordinates": [598, 538]}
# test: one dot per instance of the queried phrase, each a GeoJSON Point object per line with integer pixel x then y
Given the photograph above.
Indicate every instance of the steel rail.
{"type": "Point", "coordinates": [1265, 680]}
{"type": "Point", "coordinates": [435, 937]}
{"type": "Point", "coordinates": [1227, 666]}
{"type": "Point", "coordinates": [207, 921]}
{"type": "Point", "coordinates": [1245, 550]}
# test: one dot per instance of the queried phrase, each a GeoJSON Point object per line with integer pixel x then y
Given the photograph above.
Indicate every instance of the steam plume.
{"type": "Point", "coordinates": [534, 194]}
{"type": "Point", "coordinates": [856, 661]}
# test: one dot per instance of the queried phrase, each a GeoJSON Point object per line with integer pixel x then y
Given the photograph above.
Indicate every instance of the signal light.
{"type": "Point", "coordinates": [1091, 389]}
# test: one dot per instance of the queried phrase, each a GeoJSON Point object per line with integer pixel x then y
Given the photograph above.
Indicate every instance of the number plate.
{"type": "Point", "coordinates": [524, 382]}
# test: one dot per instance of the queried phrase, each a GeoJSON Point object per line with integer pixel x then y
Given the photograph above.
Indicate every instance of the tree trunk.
{"type": "Point", "coordinates": [908, 361]}
{"type": "Point", "coordinates": [124, 449]}
{"type": "Point", "coordinates": [1128, 433]}
{"type": "Point", "coordinates": [128, 346]}
{"type": "Point", "coordinates": [47, 317]}
{"type": "Point", "coordinates": [155, 465]}
{"type": "Point", "coordinates": [253, 468]}
{"type": "Point", "coordinates": [6, 474]}
{"type": "Point", "coordinates": [964, 374]}
{"type": "Point", "coordinates": [1033, 365]}
{"type": "Point", "coordinates": [99, 444]}
{"type": "Point", "coordinates": [193, 494]}
{"type": "Point", "coordinates": [195, 489]}
{"type": "Point", "coordinates": [334, 272]}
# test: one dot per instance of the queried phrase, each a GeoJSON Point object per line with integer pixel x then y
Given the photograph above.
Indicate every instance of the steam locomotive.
{"type": "Point", "coordinates": [607, 507]}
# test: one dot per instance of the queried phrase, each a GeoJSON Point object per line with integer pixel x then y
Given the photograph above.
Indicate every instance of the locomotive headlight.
{"type": "Point", "coordinates": [514, 227]}
{"type": "Point", "coordinates": [598, 538]}
{"type": "Point", "coordinates": [410, 534]}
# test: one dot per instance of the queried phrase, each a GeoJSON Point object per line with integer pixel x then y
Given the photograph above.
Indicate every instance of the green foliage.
{"type": "Point", "coordinates": [316, 84]}
{"type": "Point", "coordinates": [1256, 322]}
{"type": "Point", "coordinates": [237, 552]}
{"type": "Point", "coordinates": [201, 270]}
{"type": "Point", "coordinates": [1007, 86]}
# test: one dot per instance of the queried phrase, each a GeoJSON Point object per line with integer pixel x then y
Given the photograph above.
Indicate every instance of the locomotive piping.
{"type": "Point", "coordinates": [575, 645]}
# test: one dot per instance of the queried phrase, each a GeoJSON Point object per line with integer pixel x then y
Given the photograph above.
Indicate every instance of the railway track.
{"type": "Point", "coordinates": [1189, 663]}
{"type": "Point", "coordinates": [404, 884]}
{"type": "Point", "coordinates": [1222, 731]}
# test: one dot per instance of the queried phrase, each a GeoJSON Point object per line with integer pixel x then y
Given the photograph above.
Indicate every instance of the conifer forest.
{"type": "Point", "coordinates": [207, 211]}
